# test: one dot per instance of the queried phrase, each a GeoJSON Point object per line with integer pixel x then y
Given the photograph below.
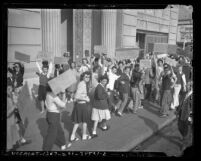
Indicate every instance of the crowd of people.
{"type": "Point", "coordinates": [105, 88]}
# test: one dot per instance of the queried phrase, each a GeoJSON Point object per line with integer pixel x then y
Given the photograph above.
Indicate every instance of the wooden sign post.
{"type": "Point", "coordinates": [63, 81]}
{"type": "Point", "coordinates": [22, 57]}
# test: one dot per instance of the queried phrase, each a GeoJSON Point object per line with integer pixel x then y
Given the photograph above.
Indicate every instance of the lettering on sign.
{"type": "Point", "coordinates": [62, 82]}
{"type": "Point", "coordinates": [145, 63]}
{"type": "Point", "coordinates": [22, 57]}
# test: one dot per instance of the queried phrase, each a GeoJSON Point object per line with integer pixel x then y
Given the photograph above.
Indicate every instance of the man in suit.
{"type": "Point", "coordinates": [124, 89]}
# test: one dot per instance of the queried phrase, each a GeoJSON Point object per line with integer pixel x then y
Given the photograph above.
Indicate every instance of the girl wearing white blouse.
{"type": "Point", "coordinates": [55, 133]}
{"type": "Point", "coordinates": [81, 111]}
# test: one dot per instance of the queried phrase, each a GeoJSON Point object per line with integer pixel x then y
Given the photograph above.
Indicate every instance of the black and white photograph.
{"type": "Point", "coordinates": [100, 79]}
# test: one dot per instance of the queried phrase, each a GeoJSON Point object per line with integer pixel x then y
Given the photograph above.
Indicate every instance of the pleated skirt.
{"type": "Point", "coordinates": [81, 113]}
{"type": "Point", "coordinates": [99, 115]}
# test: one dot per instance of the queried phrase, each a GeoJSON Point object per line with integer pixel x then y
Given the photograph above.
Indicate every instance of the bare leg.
{"type": "Point", "coordinates": [74, 131]}
{"type": "Point", "coordinates": [84, 129]}
{"type": "Point", "coordinates": [95, 127]}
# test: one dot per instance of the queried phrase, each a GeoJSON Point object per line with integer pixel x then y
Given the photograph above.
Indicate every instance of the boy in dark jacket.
{"type": "Point", "coordinates": [135, 88]}
{"type": "Point", "coordinates": [124, 89]}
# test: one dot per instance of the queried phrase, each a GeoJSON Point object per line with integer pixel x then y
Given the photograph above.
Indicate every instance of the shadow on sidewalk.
{"type": "Point", "coordinates": [42, 126]}
{"type": "Point", "coordinates": [151, 108]}
{"type": "Point", "coordinates": [68, 124]}
{"type": "Point", "coordinates": [174, 139]}
{"type": "Point", "coordinates": [25, 105]}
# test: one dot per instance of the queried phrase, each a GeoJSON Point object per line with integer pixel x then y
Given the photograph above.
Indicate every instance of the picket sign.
{"type": "Point", "coordinates": [22, 57]}
{"type": "Point", "coordinates": [171, 62]}
{"type": "Point", "coordinates": [60, 60]}
{"type": "Point", "coordinates": [172, 49]}
{"type": "Point", "coordinates": [44, 55]}
{"type": "Point", "coordinates": [159, 56]}
{"type": "Point", "coordinates": [63, 81]}
{"type": "Point", "coordinates": [160, 48]}
{"type": "Point", "coordinates": [127, 53]}
{"type": "Point", "coordinates": [145, 63]}
{"type": "Point", "coordinates": [100, 49]}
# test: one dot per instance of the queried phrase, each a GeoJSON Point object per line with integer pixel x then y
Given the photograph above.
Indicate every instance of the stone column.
{"type": "Point", "coordinates": [109, 18]}
{"type": "Point", "coordinates": [77, 34]}
{"type": "Point", "coordinates": [51, 28]}
{"type": "Point", "coordinates": [87, 16]}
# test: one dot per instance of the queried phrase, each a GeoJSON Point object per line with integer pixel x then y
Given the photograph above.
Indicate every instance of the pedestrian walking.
{"type": "Point", "coordinates": [55, 133]}
{"type": "Point", "coordinates": [81, 112]}
{"type": "Point", "coordinates": [135, 88]}
{"type": "Point", "coordinates": [100, 110]}
{"type": "Point", "coordinates": [168, 81]}
{"type": "Point", "coordinates": [124, 90]}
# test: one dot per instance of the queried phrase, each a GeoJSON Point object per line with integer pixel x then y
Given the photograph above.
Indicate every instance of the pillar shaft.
{"type": "Point", "coordinates": [51, 28]}
{"type": "Point", "coordinates": [109, 18]}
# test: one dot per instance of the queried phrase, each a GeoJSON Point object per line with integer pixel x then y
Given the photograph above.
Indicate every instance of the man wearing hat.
{"type": "Point", "coordinates": [168, 81]}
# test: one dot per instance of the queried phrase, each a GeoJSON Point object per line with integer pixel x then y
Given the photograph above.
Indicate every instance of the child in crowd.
{"type": "Point", "coordinates": [44, 75]}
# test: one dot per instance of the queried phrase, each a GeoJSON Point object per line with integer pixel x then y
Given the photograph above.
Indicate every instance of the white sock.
{"type": "Point", "coordinates": [72, 137]}
{"type": "Point", "coordinates": [94, 132]}
{"type": "Point", "coordinates": [63, 147]}
{"type": "Point", "coordinates": [22, 140]}
{"type": "Point", "coordinates": [105, 127]}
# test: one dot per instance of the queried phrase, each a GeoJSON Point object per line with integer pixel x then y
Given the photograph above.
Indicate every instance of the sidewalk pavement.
{"type": "Point", "coordinates": [125, 132]}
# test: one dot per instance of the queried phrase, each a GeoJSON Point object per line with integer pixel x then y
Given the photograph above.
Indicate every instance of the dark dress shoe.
{"type": "Point", "coordinates": [118, 114]}
{"type": "Point", "coordinates": [94, 135]}
{"type": "Point", "coordinates": [26, 142]}
{"type": "Point", "coordinates": [107, 128]}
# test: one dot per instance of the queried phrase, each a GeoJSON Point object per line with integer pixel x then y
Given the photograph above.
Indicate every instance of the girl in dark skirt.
{"type": "Point", "coordinates": [44, 75]}
{"type": "Point", "coordinates": [81, 111]}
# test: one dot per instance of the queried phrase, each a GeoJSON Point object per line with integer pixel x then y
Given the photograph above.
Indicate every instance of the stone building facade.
{"type": "Point", "coordinates": [79, 30]}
